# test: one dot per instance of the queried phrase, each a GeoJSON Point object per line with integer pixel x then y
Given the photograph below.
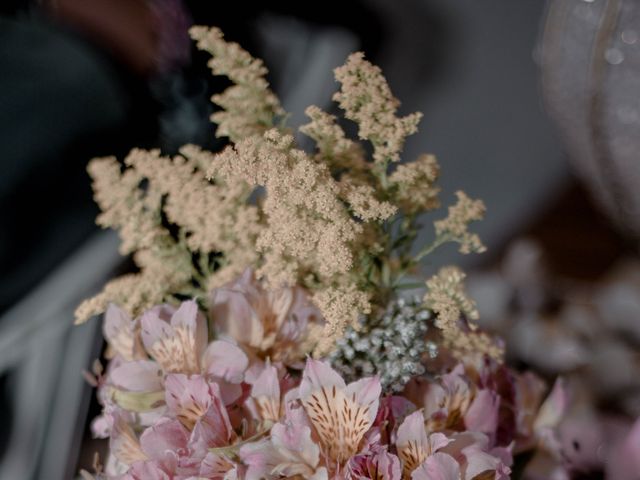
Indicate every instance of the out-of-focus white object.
{"type": "Point", "coordinates": [590, 61]}
{"type": "Point", "coordinates": [44, 354]}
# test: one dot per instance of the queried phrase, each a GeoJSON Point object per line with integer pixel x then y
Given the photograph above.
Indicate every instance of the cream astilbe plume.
{"type": "Point", "coordinates": [210, 218]}
{"type": "Point", "coordinates": [133, 292]}
{"type": "Point", "coordinates": [415, 184]}
{"type": "Point", "coordinates": [446, 296]}
{"type": "Point", "coordinates": [249, 106]}
{"type": "Point", "coordinates": [346, 161]}
{"type": "Point", "coordinates": [366, 99]}
{"type": "Point", "coordinates": [333, 146]}
{"type": "Point", "coordinates": [124, 206]}
{"type": "Point", "coordinates": [136, 214]}
{"type": "Point", "coordinates": [308, 231]}
{"type": "Point", "coordinates": [306, 224]}
{"type": "Point", "coordinates": [455, 226]}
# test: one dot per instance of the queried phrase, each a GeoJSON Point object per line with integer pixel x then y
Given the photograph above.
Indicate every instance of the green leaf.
{"type": "Point", "coordinates": [138, 401]}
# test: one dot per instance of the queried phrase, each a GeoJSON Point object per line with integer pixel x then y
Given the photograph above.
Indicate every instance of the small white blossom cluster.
{"type": "Point", "coordinates": [394, 348]}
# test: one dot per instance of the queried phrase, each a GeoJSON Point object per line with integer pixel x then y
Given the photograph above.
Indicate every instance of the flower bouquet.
{"type": "Point", "coordinates": [268, 332]}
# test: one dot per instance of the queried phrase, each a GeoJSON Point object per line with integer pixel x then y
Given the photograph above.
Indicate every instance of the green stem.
{"type": "Point", "coordinates": [430, 248]}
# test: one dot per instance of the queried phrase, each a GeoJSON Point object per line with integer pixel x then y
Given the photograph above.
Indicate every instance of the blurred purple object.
{"type": "Point", "coordinates": [172, 22]}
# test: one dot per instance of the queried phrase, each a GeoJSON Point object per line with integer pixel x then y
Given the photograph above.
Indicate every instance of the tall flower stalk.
{"type": "Point", "coordinates": [335, 221]}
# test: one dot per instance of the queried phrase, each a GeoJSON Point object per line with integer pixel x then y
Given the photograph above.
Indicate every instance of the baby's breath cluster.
{"type": "Point", "coordinates": [395, 348]}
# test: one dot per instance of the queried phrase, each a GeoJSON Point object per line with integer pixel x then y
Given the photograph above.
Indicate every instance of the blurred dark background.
{"type": "Point", "coordinates": [86, 78]}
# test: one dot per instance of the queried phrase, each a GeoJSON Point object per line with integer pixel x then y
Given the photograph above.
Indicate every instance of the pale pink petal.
{"type": "Point", "coordinates": [338, 417]}
{"type": "Point", "coordinates": [120, 331]}
{"type": "Point", "coordinates": [124, 444]}
{"type": "Point", "coordinates": [320, 474]}
{"type": "Point", "coordinates": [479, 461]}
{"type": "Point", "coordinates": [215, 466]}
{"type": "Point", "coordinates": [279, 303]}
{"type": "Point", "coordinates": [232, 311]}
{"type": "Point", "coordinates": [482, 415]}
{"type": "Point", "coordinates": [624, 460]}
{"type": "Point", "coordinates": [148, 470]}
{"type": "Point", "coordinates": [266, 394]}
{"type": "Point", "coordinates": [412, 430]}
{"type": "Point", "coordinates": [438, 466]}
{"type": "Point", "coordinates": [504, 454]}
{"type": "Point", "coordinates": [529, 390]}
{"type": "Point", "coordinates": [154, 329]}
{"type": "Point", "coordinates": [267, 384]}
{"type": "Point", "coordinates": [366, 392]}
{"type": "Point", "coordinates": [229, 392]}
{"type": "Point", "coordinates": [300, 314]}
{"type": "Point", "coordinates": [188, 317]}
{"type": "Point", "coordinates": [412, 442]}
{"type": "Point", "coordinates": [138, 376]}
{"type": "Point", "coordinates": [187, 397]}
{"type": "Point", "coordinates": [458, 389]}
{"type": "Point", "coordinates": [213, 429]}
{"type": "Point", "coordinates": [582, 439]}
{"type": "Point", "coordinates": [379, 465]}
{"type": "Point", "coordinates": [101, 426]}
{"type": "Point", "coordinates": [553, 408]}
{"type": "Point", "coordinates": [167, 436]}
{"type": "Point", "coordinates": [292, 439]}
{"type": "Point", "coordinates": [437, 441]}
{"type": "Point", "coordinates": [427, 395]}
{"type": "Point", "coordinates": [256, 366]}
{"type": "Point", "coordinates": [259, 459]}
{"type": "Point", "coordinates": [225, 360]}
{"type": "Point", "coordinates": [178, 346]}
{"type": "Point", "coordinates": [318, 375]}
{"type": "Point", "coordinates": [465, 443]}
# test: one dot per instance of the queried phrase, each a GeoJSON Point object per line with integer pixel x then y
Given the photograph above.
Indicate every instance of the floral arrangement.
{"type": "Point", "coordinates": [266, 334]}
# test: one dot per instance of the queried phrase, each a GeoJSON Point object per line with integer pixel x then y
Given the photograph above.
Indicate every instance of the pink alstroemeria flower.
{"type": "Point", "coordinates": [270, 323]}
{"type": "Point", "coordinates": [189, 398]}
{"type": "Point", "coordinates": [178, 344]}
{"type": "Point", "coordinates": [438, 466]}
{"type": "Point", "coordinates": [482, 414]}
{"type": "Point", "coordinates": [472, 452]}
{"type": "Point", "coordinates": [549, 415]}
{"type": "Point", "coordinates": [444, 402]}
{"type": "Point", "coordinates": [413, 444]}
{"type": "Point", "coordinates": [265, 398]}
{"type": "Point", "coordinates": [324, 426]}
{"type": "Point", "coordinates": [123, 334]}
{"type": "Point", "coordinates": [340, 414]}
{"type": "Point", "coordinates": [123, 443]}
{"type": "Point", "coordinates": [185, 446]}
{"type": "Point", "coordinates": [293, 450]}
{"type": "Point", "coordinates": [376, 464]}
